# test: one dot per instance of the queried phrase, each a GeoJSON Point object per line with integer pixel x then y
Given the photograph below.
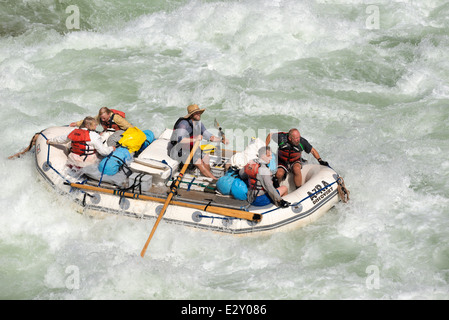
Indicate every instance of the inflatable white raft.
{"type": "Point", "coordinates": [196, 203]}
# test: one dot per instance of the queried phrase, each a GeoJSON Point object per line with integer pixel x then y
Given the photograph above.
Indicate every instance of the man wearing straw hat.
{"type": "Point", "coordinates": [185, 131]}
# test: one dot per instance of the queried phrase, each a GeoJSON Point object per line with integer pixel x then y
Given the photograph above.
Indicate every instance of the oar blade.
{"type": "Point", "coordinates": [172, 192]}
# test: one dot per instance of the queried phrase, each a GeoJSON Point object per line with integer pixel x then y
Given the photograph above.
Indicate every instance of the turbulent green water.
{"type": "Point", "coordinates": [366, 84]}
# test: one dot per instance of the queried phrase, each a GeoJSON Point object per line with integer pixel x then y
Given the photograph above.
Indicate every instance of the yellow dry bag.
{"type": "Point", "coordinates": [208, 148]}
{"type": "Point", "coordinates": [132, 138]}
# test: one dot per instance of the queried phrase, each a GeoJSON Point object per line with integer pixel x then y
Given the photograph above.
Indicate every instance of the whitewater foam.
{"type": "Point", "coordinates": [372, 101]}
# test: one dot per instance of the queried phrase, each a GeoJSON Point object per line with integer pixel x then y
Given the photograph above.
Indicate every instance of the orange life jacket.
{"type": "Point", "coordinates": [110, 124]}
{"type": "Point", "coordinates": [251, 169]}
{"type": "Point", "coordinates": [79, 139]}
{"type": "Point", "coordinates": [288, 152]}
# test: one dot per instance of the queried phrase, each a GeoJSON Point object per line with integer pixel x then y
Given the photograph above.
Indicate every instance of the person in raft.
{"type": "Point", "coordinates": [109, 119]}
{"type": "Point", "coordinates": [291, 144]}
{"type": "Point", "coordinates": [86, 143]}
{"type": "Point", "coordinates": [261, 190]}
{"type": "Point", "coordinates": [185, 132]}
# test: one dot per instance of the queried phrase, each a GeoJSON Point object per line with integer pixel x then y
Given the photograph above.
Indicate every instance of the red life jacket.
{"type": "Point", "coordinates": [251, 169]}
{"type": "Point", "coordinates": [288, 152]}
{"type": "Point", "coordinates": [79, 139]}
{"type": "Point", "coordinates": [110, 124]}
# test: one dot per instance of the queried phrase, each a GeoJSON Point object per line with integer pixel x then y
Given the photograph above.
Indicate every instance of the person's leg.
{"type": "Point", "coordinates": [280, 173]}
{"type": "Point", "coordinates": [204, 167]}
{"type": "Point", "coordinates": [206, 161]}
{"type": "Point", "coordinates": [204, 171]}
{"type": "Point", "coordinates": [297, 176]}
{"type": "Point", "coordinates": [283, 190]}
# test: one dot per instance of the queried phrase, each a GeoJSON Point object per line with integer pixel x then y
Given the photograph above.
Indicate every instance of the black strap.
{"type": "Point", "coordinates": [208, 204]}
{"type": "Point", "coordinates": [128, 170]}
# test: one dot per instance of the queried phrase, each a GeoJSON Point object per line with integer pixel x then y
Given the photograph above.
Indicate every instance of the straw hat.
{"type": "Point", "coordinates": [193, 108]}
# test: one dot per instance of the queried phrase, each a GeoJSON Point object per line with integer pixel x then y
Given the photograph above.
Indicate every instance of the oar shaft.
{"type": "Point", "coordinates": [240, 214]}
{"type": "Point", "coordinates": [159, 218]}
{"type": "Point", "coordinates": [172, 192]}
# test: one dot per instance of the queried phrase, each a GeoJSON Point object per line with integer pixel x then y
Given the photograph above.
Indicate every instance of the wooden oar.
{"type": "Point", "coordinates": [170, 195]}
{"type": "Point", "coordinates": [228, 212]}
{"type": "Point", "coordinates": [32, 143]}
{"type": "Point", "coordinates": [217, 125]}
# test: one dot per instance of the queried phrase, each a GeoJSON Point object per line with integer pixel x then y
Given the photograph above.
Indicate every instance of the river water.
{"type": "Point", "coordinates": [366, 84]}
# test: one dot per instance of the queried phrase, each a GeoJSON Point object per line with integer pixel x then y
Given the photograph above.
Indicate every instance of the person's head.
{"type": "Point", "coordinates": [104, 114]}
{"type": "Point", "coordinates": [294, 137]}
{"type": "Point", "coordinates": [194, 112]}
{"type": "Point", "coordinates": [89, 123]}
{"type": "Point", "coordinates": [265, 154]}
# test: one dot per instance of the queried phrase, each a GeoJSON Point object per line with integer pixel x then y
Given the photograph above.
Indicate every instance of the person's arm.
{"type": "Point", "coordinates": [268, 139]}
{"type": "Point", "coordinates": [315, 153]}
{"type": "Point", "coordinates": [210, 137]}
{"type": "Point", "coordinates": [218, 139]}
{"type": "Point", "coordinates": [317, 156]}
{"type": "Point", "coordinates": [122, 123]}
{"type": "Point", "coordinates": [190, 139]}
{"type": "Point", "coordinates": [242, 174]}
{"type": "Point", "coordinates": [272, 136]}
{"type": "Point", "coordinates": [264, 176]}
{"type": "Point", "coordinates": [76, 124]}
{"type": "Point", "coordinates": [59, 139]}
{"type": "Point", "coordinates": [309, 149]}
{"type": "Point", "coordinates": [102, 148]}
